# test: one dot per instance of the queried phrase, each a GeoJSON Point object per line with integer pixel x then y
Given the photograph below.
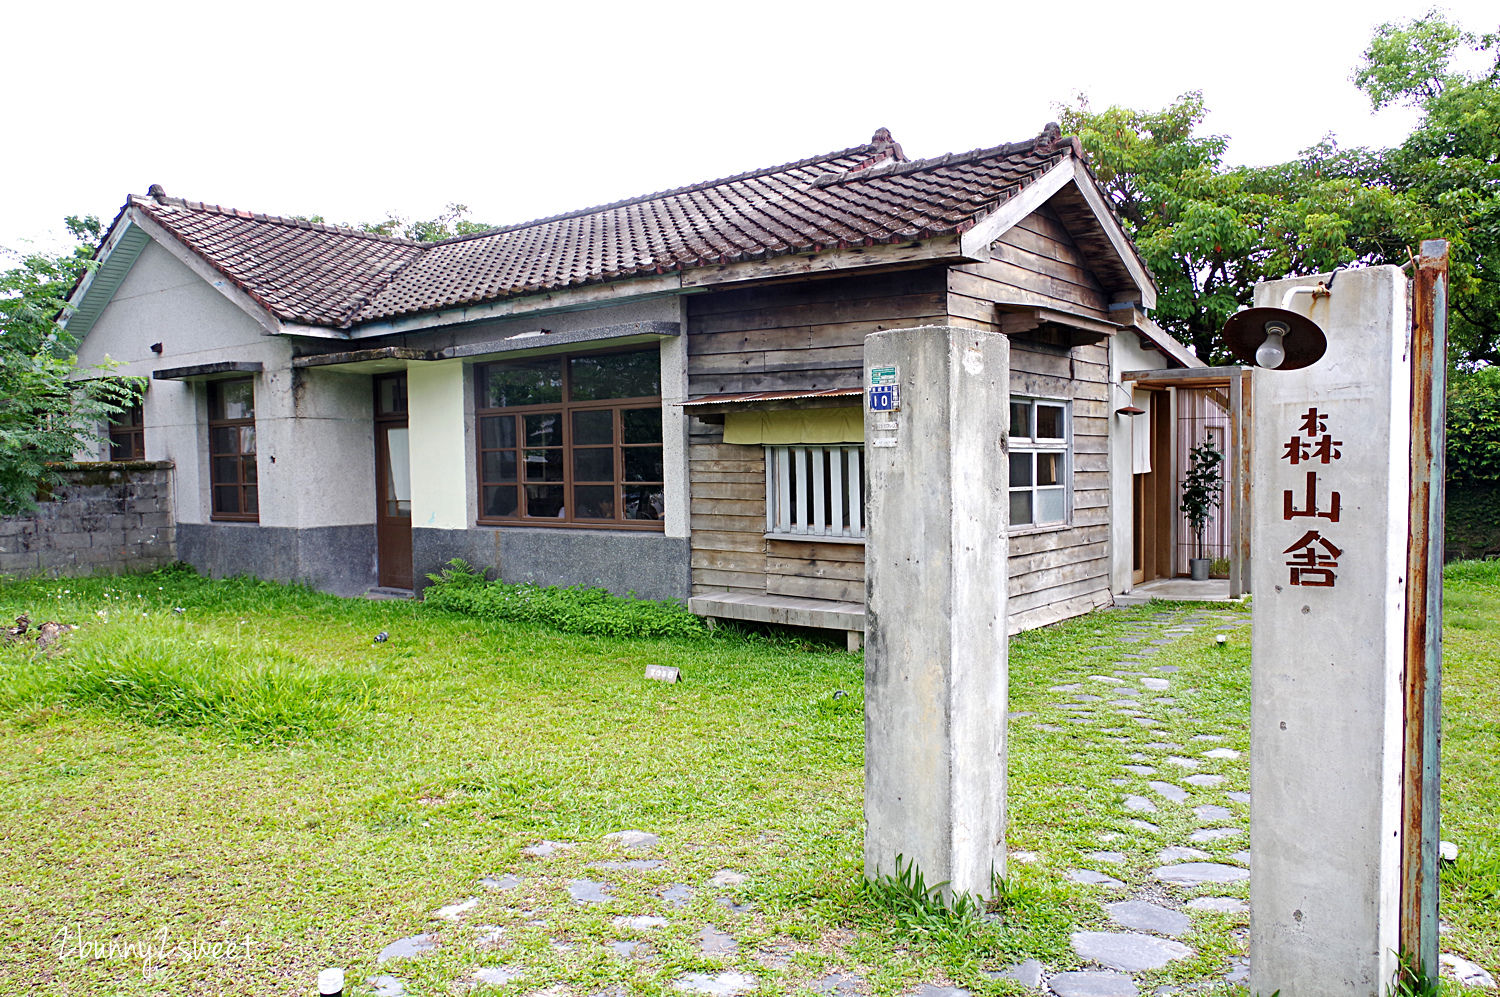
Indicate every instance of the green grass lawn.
{"type": "Point", "coordinates": [239, 764]}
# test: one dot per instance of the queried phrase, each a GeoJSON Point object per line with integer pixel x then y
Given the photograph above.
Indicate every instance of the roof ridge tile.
{"type": "Point", "coordinates": [145, 201]}
{"type": "Point", "coordinates": [893, 168]}
{"type": "Point", "coordinates": [660, 194]}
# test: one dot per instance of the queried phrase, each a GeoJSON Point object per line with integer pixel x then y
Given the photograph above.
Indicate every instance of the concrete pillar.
{"type": "Point", "coordinates": [1329, 499]}
{"type": "Point", "coordinates": [935, 569]}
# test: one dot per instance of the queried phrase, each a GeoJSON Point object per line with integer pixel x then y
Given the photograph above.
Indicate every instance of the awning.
{"type": "Point", "coordinates": [745, 397]}
{"type": "Point", "coordinates": [208, 371]}
{"type": "Point", "coordinates": [368, 361]}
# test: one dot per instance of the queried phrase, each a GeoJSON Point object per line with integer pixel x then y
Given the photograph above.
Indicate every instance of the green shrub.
{"type": "Point", "coordinates": [159, 674]}
{"type": "Point", "coordinates": [574, 610]}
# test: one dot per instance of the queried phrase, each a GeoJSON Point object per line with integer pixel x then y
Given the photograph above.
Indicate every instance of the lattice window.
{"type": "Point", "coordinates": [815, 491]}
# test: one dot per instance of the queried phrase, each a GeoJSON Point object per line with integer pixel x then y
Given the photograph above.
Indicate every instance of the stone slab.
{"type": "Point", "coordinates": [1028, 973]}
{"type": "Point", "coordinates": [1468, 973]}
{"type": "Point", "coordinates": [406, 948]}
{"type": "Point", "coordinates": [712, 941]}
{"type": "Point", "coordinates": [837, 985]}
{"type": "Point", "coordinates": [727, 984]}
{"type": "Point", "coordinates": [588, 891]}
{"type": "Point", "coordinates": [1219, 905]}
{"type": "Point", "coordinates": [546, 849]}
{"type": "Point", "coordinates": [1092, 984]}
{"type": "Point", "coordinates": [1214, 834]}
{"type": "Point", "coordinates": [1091, 878]}
{"type": "Point", "coordinates": [1193, 873]}
{"type": "Point", "coordinates": [386, 985]}
{"type": "Point", "coordinates": [634, 840]}
{"type": "Point", "coordinates": [1127, 951]}
{"type": "Point", "coordinates": [639, 922]}
{"type": "Point", "coordinates": [628, 864]}
{"type": "Point", "coordinates": [452, 912]}
{"type": "Point", "coordinates": [1139, 915]}
{"type": "Point", "coordinates": [496, 976]}
{"type": "Point", "coordinates": [1168, 791]}
{"type": "Point", "coordinates": [1181, 853]}
{"type": "Point", "coordinates": [505, 882]}
{"type": "Point", "coordinates": [677, 894]}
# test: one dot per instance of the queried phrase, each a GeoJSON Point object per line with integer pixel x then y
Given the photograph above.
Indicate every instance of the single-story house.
{"type": "Point", "coordinates": [659, 395]}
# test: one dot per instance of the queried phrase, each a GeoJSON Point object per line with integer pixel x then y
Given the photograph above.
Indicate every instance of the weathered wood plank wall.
{"type": "Point", "coordinates": [1055, 572]}
{"type": "Point", "coordinates": [809, 335]}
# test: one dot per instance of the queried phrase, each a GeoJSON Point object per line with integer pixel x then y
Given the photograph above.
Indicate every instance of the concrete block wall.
{"type": "Point", "coordinates": [107, 516]}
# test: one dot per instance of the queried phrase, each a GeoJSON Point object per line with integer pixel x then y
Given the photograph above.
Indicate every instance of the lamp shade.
{"type": "Point", "coordinates": [1304, 342]}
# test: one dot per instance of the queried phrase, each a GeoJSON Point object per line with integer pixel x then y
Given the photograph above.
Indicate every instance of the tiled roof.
{"type": "Point", "coordinates": [867, 195]}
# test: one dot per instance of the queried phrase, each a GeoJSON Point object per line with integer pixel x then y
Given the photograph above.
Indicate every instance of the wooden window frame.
{"type": "Point", "coordinates": [565, 410]}
{"type": "Point", "coordinates": [245, 487]}
{"type": "Point", "coordinates": [816, 492]}
{"type": "Point", "coordinates": [128, 427]}
{"type": "Point", "coordinates": [1032, 445]}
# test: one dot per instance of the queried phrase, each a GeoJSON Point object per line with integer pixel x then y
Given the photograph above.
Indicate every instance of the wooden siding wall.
{"type": "Point", "coordinates": [792, 336]}
{"type": "Point", "coordinates": [1055, 573]}
{"type": "Point", "coordinates": [803, 336]}
{"type": "Point", "coordinates": [810, 335]}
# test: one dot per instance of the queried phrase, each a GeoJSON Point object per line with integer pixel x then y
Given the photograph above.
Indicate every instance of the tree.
{"type": "Point", "coordinates": [46, 413]}
{"type": "Point", "coordinates": [1450, 164]}
{"type": "Point", "coordinates": [1210, 231]}
{"type": "Point", "coordinates": [452, 221]}
{"type": "Point", "coordinates": [1474, 427]}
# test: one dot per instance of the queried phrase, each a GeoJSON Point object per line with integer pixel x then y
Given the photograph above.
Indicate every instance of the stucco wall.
{"type": "Point", "coordinates": [1125, 353]}
{"type": "Point", "coordinates": [104, 517]}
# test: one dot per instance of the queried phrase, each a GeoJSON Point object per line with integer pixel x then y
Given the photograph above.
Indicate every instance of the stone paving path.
{"type": "Point", "coordinates": [1197, 882]}
{"type": "Point", "coordinates": [1189, 880]}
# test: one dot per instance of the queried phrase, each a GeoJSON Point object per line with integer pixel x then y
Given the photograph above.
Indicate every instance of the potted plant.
{"type": "Point", "coordinates": [1201, 493]}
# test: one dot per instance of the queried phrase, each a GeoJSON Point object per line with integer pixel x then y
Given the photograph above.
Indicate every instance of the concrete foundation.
{"type": "Point", "coordinates": [935, 562]}
{"type": "Point", "coordinates": [650, 565]}
{"type": "Point", "coordinates": [1329, 562]}
{"type": "Point", "coordinates": [337, 559]}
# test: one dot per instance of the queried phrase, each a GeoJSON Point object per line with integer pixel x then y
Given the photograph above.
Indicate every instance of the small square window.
{"type": "Point", "coordinates": [1040, 452]}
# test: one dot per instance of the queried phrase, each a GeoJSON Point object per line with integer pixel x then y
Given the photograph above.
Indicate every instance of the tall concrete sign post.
{"type": "Point", "coordinates": [936, 419]}
{"type": "Point", "coordinates": [1331, 469]}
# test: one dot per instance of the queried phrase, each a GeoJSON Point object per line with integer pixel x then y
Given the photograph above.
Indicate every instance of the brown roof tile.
{"type": "Point", "coordinates": [870, 194]}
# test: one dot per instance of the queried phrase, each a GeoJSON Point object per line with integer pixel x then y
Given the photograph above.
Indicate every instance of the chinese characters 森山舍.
{"type": "Point", "coordinates": [1314, 556]}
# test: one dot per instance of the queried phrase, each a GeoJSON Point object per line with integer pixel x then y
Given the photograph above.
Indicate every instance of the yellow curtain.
{"type": "Point", "coordinates": [782, 426]}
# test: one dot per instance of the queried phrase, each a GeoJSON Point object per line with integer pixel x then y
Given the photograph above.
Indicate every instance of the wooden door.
{"type": "Point", "coordinates": [1151, 497]}
{"type": "Point", "coordinates": [392, 483]}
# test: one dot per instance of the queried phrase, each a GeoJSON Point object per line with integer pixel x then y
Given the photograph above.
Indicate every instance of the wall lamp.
{"type": "Point", "coordinates": [1279, 338]}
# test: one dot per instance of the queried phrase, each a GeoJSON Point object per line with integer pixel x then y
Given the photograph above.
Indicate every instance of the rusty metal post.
{"type": "Point", "coordinates": [1424, 613]}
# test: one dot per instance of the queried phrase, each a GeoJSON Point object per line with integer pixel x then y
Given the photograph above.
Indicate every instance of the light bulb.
{"type": "Point", "coordinates": [1272, 352]}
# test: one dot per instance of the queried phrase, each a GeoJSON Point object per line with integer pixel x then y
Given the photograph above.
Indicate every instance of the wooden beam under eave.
{"type": "Point", "coordinates": [946, 249]}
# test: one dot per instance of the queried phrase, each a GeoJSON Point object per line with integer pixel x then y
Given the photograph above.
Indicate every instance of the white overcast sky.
{"type": "Point", "coordinates": [353, 110]}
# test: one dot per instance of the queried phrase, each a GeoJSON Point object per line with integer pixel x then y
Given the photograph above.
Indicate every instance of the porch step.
{"type": "Point", "coordinates": [1177, 590]}
{"type": "Point", "coordinates": [381, 592]}
{"type": "Point", "coordinates": [785, 610]}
